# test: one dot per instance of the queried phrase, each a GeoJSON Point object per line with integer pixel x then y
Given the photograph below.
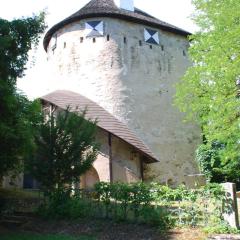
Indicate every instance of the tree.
{"type": "Point", "coordinates": [208, 93]}
{"type": "Point", "coordinates": [65, 149]}
{"type": "Point", "coordinates": [17, 114]}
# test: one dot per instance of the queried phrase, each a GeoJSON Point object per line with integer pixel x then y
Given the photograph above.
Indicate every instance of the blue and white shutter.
{"type": "Point", "coordinates": [94, 28]}
{"type": "Point", "coordinates": [151, 36]}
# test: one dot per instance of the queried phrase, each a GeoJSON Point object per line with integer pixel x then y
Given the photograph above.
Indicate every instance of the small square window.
{"type": "Point", "coordinates": [54, 42]}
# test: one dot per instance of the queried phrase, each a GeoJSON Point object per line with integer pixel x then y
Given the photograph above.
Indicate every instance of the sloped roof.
{"type": "Point", "coordinates": [107, 8]}
{"type": "Point", "coordinates": [105, 120]}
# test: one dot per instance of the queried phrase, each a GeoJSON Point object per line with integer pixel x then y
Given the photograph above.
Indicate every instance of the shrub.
{"type": "Point", "coordinates": [151, 204]}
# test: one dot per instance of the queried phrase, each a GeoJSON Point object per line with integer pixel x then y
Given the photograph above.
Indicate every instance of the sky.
{"type": "Point", "coordinates": [36, 80]}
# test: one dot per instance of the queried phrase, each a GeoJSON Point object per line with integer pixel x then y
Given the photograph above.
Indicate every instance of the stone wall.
{"type": "Point", "coordinates": [134, 81]}
{"type": "Point", "coordinates": [13, 182]}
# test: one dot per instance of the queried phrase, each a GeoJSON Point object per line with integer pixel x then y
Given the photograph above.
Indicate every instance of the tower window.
{"type": "Point", "coordinates": [81, 39]}
{"type": "Point", "coordinates": [64, 45]}
{"type": "Point", "coordinates": [108, 37]}
{"type": "Point", "coordinates": [184, 53]}
{"type": "Point", "coordinates": [140, 43]}
{"type": "Point", "coordinates": [54, 42]}
{"type": "Point", "coordinates": [162, 47]}
{"type": "Point", "coordinates": [94, 40]}
{"type": "Point", "coordinates": [125, 40]}
{"type": "Point", "coordinates": [150, 46]}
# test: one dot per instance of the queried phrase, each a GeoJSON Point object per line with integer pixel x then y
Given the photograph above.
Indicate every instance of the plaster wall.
{"type": "Point", "coordinates": [134, 81]}
{"type": "Point", "coordinates": [101, 164]}
{"type": "Point", "coordinates": [126, 162]}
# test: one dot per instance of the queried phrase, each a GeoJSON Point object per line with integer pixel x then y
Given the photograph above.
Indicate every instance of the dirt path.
{"type": "Point", "coordinates": [104, 230]}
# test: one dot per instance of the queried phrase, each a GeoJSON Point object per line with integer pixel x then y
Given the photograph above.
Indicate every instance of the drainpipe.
{"type": "Point", "coordinates": [110, 156]}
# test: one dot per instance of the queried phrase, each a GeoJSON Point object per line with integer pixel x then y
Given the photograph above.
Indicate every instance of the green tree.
{"type": "Point", "coordinates": [208, 91]}
{"type": "Point", "coordinates": [17, 114]}
{"type": "Point", "coordinates": [65, 149]}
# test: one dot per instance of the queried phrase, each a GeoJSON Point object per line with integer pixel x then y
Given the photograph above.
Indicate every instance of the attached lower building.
{"type": "Point", "coordinates": [122, 156]}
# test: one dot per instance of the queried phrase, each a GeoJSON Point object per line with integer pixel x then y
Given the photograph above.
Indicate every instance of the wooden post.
{"type": "Point", "coordinates": [110, 156]}
{"type": "Point", "coordinates": [231, 213]}
{"type": "Point", "coordinates": [141, 169]}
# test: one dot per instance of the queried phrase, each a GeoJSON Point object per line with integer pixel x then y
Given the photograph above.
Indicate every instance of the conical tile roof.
{"type": "Point", "coordinates": [107, 8]}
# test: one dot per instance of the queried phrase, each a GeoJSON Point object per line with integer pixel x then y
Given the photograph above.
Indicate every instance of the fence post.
{"type": "Point", "coordinates": [231, 213]}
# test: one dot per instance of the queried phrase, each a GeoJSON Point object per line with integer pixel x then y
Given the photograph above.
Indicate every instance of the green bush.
{"type": "Point", "coordinates": [62, 205]}
{"type": "Point", "coordinates": [221, 228]}
{"type": "Point", "coordinates": [152, 204]}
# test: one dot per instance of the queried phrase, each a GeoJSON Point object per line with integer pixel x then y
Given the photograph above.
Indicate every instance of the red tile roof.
{"type": "Point", "coordinates": [105, 120]}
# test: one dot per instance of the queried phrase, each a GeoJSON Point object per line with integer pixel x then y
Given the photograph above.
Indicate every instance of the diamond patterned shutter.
{"type": "Point", "coordinates": [151, 36]}
{"type": "Point", "coordinates": [94, 28]}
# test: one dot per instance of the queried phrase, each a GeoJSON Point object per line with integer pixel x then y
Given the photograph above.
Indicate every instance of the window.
{"type": "Point", "coordinates": [108, 37]}
{"type": "Point", "coordinates": [151, 36]}
{"type": "Point", "coordinates": [53, 42]}
{"type": "Point", "coordinates": [125, 40]}
{"type": "Point", "coordinates": [81, 39]}
{"type": "Point", "coordinates": [64, 45]}
{"type": "Point", "coordinates": [140, 43]}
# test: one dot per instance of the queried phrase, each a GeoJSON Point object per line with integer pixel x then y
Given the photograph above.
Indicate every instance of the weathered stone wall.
{"type": "Point", "coordinates": [135, 82]}
{"type": "Point", "coordinates": [13, 182]}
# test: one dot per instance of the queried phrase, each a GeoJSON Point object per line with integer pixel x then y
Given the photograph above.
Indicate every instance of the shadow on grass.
{"type": "Point", "coordinates": [24, 236]}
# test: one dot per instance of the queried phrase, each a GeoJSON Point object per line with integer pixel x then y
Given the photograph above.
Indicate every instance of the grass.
{"type": "Point", "coordinates": [18, 194]}
{"type": "Point", "coordinates": [43, 237]}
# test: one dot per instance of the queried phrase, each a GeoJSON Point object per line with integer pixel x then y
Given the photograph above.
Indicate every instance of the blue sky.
{"type": "Point", "coordinates": [176, 12]}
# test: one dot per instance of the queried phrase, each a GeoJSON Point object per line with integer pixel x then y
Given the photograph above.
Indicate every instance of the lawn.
{"type": "Point", "coordinates": [43, 237]}
{"type": "Point", "coordinates": [19, 194]}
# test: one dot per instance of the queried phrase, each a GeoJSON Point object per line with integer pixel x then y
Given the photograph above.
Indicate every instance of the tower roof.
{"type": "Point", "coordinates": [107, 8]}
{"type": "Point", "coordinates": [105, 120]}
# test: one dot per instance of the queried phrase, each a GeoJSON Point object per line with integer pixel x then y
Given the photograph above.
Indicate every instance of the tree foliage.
{"type": "Point", "coordinates": [17, 114]}
{"type": "Point", "coordinates": [208, 91]}
{"type": "Point", "coordinates": [65, 149]}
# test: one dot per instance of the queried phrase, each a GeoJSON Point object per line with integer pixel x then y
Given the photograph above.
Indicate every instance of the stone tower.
{"type": "Point", "coordinates": [128, 62]}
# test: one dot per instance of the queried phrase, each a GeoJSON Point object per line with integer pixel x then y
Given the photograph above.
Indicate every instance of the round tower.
{"type": "Point", "coordinates": [128, 62]}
